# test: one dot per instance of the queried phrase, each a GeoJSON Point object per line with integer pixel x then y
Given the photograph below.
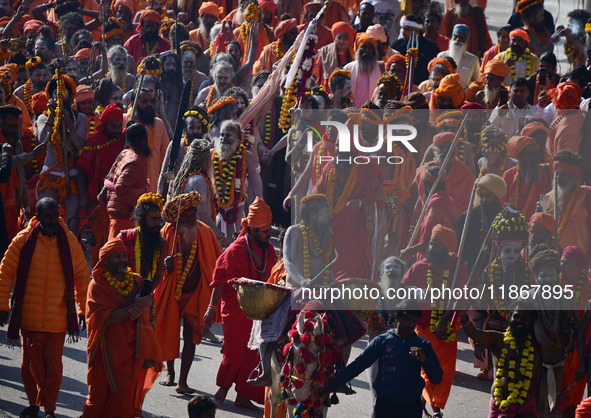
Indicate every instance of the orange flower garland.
{"type": "Point", "coordinates": [122, 287]}
{"type": "Point", "coordinates": [347, 191]}
{"type": "Point", "coordinates": [28, 96]}
{"type": "Point", "coordinates": [153, 62]}
{"type": "Point", "coordinates": [226, 173]}
{"type": "Point", "coordinates": [220, 103]}
{"type": "Point", "coordinates": [182, 278]}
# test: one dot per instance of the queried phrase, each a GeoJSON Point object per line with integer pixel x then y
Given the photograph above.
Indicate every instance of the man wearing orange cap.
{"type": "Point", "coordinates": [209, 14]}
{"type": "Point", "coordinates": [449, 94]}
{"type": "Point", "coordinates": [97, 157]}
{"type": "Point", "coordinates": [124, 11]}
{"type": "Point", "coordinates": [365, 70]}
{"type": "Point", "coordinates": [538, 130]}
{"type": "Point", "coordinates": [336, 54]}
{"type": "Point", "coordinates": [285, 33]}
{"type": "Point", "coordinates": [309, 12]}
{"type": "Point", "coordinates": [528, 179]}
{"type": "Point", "coordinates": [491, 92]}
{"type": "Point", "coordinates": [566, 131]}
{"type": "Point", "coordinates": [574, 220]}
{"type": "Point", "coordinates": [518, 57]}
{"type": "Point", "coordinates": [542, 228]}
{"type": "Point", "coordinates": [185, 290]}
{"type": "Point", "coordinates": [250, 256]}
{"type": "Point", "coordinates": [436, 270]}
{"type": "Point", "coordinates": [472, 16]}
{"type": "Point", "coordinates": [439, 210]}
{"type": "Point", "coordinates": [84, 102]}
{"type": "Point", "coordinates": [121, 340]}
{"type": "Point", "coordinates": [147, 41]}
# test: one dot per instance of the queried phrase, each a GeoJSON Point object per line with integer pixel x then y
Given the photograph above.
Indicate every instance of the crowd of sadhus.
{"type": "Point", "coordinates": [150, 147]}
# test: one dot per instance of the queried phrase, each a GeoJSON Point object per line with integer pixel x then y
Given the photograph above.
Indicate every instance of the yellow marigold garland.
{"type": "Point", "coordinates": [28, 96]}
{"type": "Point", "coordinates": [154, 72]}
{"type": "Point", "coordinates": [527, 56]}
{"type": "Point", "coordinates": [154, 198]}
{"type": "Point", "coordinates": [437, 314]}
{"type": "Point", "coordinates": [225, 175]}
{"type": "Point", "coordinates": [33, 62]}
{"type": "Point", "coordinates": [289, 101]}
{"type": "Point", "coordinates": [220, 103]}
{"type": "Point", "coordinates": [347, 191]}
{"type": "Point", "coordinates": [182, 278]}
{"type": "Point", "coordinates": [123, 287]}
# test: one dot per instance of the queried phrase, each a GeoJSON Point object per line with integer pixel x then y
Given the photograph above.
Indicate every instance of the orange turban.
{"type": "Point", "coordinates": [285, 27]}
{"type": "Point", "coordinates": [12, 69]}
{"type": "Point", "coordinates": [520, 33]}
{"type": "Point", "coordinates": [364, 38]}
{"type": "Point", "coordinates": [442, 138]}
{"type": "Point", "coordinates": [83, 54]}
{"type": "Point", "coordinates": [112, 247]}
{"type": "Point", "coordinates": [497, 68]}
{"type": "Point", "coordinates": [566, 96]}
{"type": "Point", "coordinates": [446, 236]}
{"type": "Point", "coordinates": [84, 93]}
{"type": "Point", "coordinates": [210, 8]}
{"type": "Point", "coordinates": [544, 219]}
{"type": "Point", "coordinates": [450, 87]}
{"type": "Point", "coordinates": [343, 27]}
{"type": "Point", "coordinates": [130, 4]}
{"type": "Point", "coordinates": [573, 169]}
{"type": "Point", "coordinates": [112, 113]}
{"type": "Point", "coordinates": [32, 26]}
{"type": "Point", "coordinates": [150, 16]}
{"type": "Point", "coordinates": [516, 144]}
{"type": "Point", "coordinates": [269, 5]}
{"type": "Point", "coordinates": [396, 58]}
{"type": "Point", "coordinates": [441, 61]}
{"type": "Point", "coordinates": [39, 102]}
{"type": "Point", "coordinates": [259, 216]}
{"type": "Point", "coordinates": [533, 127]}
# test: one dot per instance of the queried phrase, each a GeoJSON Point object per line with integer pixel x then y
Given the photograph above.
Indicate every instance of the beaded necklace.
{"type": "Point", "coordinates": [28, 96]}
{"type": "Point", "coordinates": [99, 146]}
{"type": "Point", "coordinates": [527, 56]}
{"type": "Point", "coordinates": [123, 287]}
{"type": "Point", "coordinates": [179, 266]}
{"type": "Point", "coordinates": [437, 314]}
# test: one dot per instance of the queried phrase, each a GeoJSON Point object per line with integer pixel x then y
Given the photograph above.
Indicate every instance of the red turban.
{"type": "Point", "coordinates": [446, 236]}
{"type": "Point", "coordinates": [112, 113]}
{"type": "Point", "coordinates": [566, 95]}
{"type": "Point", "coordinates": [396, 58]}
{"type": "Point", "coordinates": [442, 138]}
{"type": "Point", "coordinates": [112, 247]}
{"type": "Point", "coordinates": [497, 68]}
{"type": "Point", "coordinates": [576, 256]}
{"type": "Point", "coordinates": [259, 216]}
{"type": "Point", "coordinates": [150, 16]}
{"type": "Point", "coordinates": [32, 26]}
{"type": "Point", "coordinates": [210, 8]}
{"type": "Point", "coordinates": [269, 5]}
{"type": "Point", "coordinates": [39, 102]}
{"type": "Point", "coordinates": [363, 38]}
{"type": "Point", "coordinates": [130, 4]}
{"type": "Point", "coordinates": [573, 169]}
{"type": "Point", "coordinates": [533, 127]}
{"type": "Point", "coordinates": [472, 106]}
{"type": "Point", "coordinates": [84, 93]}
{"type": "Point", "coordinates": [343, 27]}
{"type": "Point", "coordinates": [516, 144]}
{"type": "Point", "coordinates": [520, 33]}
{"type": "Point", "coordinates": [545, 220]}
{"type": "Point", "coordinates": [285, 27]}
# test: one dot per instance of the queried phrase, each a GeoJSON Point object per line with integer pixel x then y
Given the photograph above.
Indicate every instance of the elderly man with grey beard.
{"type": "Point", "coordinates": [233, 185]}
{"type": "Point", "coordinates": [223, 74]}
{"type": "Point", "coordinates": [573, 202]}
{"type": "Point", "coordinates": [117, 58]}
{"type": "Point", "coordinates": [366, 69]}
{"type": "Point", "coordinates": [468, 64]}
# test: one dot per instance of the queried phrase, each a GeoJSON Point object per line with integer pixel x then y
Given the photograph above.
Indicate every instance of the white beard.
{"type": "Point", "coordinates": [203, 30]}
{"type": "Point", "coordinates": [491, 96]}
{"type": "Point", "coordinates": [225, 151]}
{"type": "Point", "coordinates": [457, 50]}
{"type": "Point", "coordinates": [119, 76]}
{"type": "Point", "coordinates": [564, 191]}
{"type": "Point", "coordinates": [188, 233]}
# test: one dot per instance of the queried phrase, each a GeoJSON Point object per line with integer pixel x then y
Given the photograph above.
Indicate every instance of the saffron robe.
{"type": "Point", "coordinates": [540, 187]}
{"type": "Point", "coordinates": [566, 131]}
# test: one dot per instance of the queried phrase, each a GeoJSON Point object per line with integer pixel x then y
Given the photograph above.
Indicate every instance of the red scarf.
{"type": "Point", "coordinates": [21, 284]}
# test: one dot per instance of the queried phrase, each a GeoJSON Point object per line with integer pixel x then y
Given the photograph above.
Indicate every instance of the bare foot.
{"type": "Point", "coordinates": [169, 381]}
{"type": "Point", "coordinates": [184, 389]}
{"type": "Point", "coordinates": [220, 395]}
{"type": "Point", "coordinates": [242, 402]}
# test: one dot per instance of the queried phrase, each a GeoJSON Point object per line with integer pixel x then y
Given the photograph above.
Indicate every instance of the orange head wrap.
{"type": "Point", "coordinates": [210, 8]}
{"type": "Point", "coordinates": [442, 138]}
{"type": "Point", "coordinates": [130, 4]}
{"type": "Point", "coordinates": [533, 127]}
{"type": "Point", "coordinates": [516, 144]}
{"type": "Point", "coordinates": [497, 68]}
{"type": "Point", "coordinates": [573, 169]}
{"type": "Point", "coordinates": [39, 102]}
{"type": "Point", "coordinates": [520, 33]}
{"type": "Point", "coordinates": [446, 236]}
{"type": "Point", "coordinates": [544, 219]}
{"type": "Point", "coordinates": [83, 54]}
{"type": "Point", "coordinates": [112, 247]}
{"type": "Point", "coordinates": [364, 38]}
{"type": "Point", "coordinates": [12, 69]}
{"type": "Point", "coordinates": [566, 95]}
{"type": "Point", "coordinates": [269, 5]}
{"type": "Point", "coordinates": [149, 16]}
{"type": "Point", "coordinates": [343, 27]}
{"type": "Point", "coordinates": [396, 58]}
{"type": "Point", "coordinates": [83, 93]}
{"type": "Point", "coordinates": [32, 26]}
{"type": "Point", "coordinates": [441, 61]}
{"type": "Point", "coordinates": [449, 87]}
{"type": "Point", "coordinates": [111, 113]}
{"type": "Point", "coordinates": [259, 216]}
{"type": "Point", "coordinates": [285, 27]}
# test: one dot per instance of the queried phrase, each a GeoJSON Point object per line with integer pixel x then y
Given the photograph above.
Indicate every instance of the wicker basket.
{"type": "Point", "coordinates": [258, 300]}
{"type": "Point", "coordinates": [362, 306]}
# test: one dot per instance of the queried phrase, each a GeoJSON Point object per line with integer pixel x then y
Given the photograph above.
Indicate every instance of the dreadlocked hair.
{"type": "Point", "coordinates": [197, 155]}
{"type": "Point", "coordinates": [546, 257]}
{"type": "Point", "coordinates": [142, 210]}
{"type": "Point", "coordinates": [568, 157]}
